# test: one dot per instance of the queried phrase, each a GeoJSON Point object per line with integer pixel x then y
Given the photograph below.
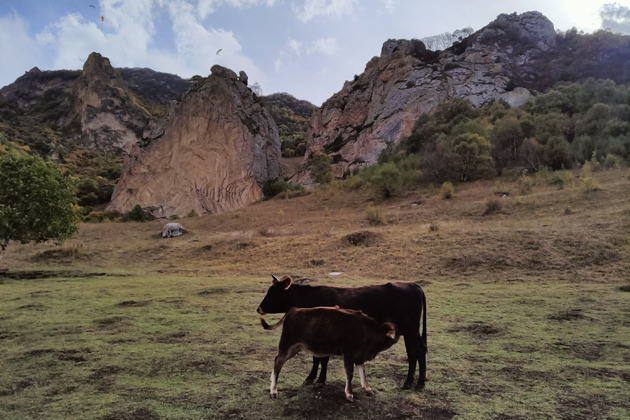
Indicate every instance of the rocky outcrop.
{"type": "Point", "coordinates": [380, 106]}
{"type": "Point", "coordinates": [110, 119]}
{"type": "Point", "coordinates": [218, 146]}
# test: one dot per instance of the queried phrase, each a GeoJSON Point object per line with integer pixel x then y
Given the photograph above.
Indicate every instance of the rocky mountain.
{"type": "Point", "coordinates": [100, 108]}
{"type": "Point", "coordinates": [510, 59]}
{"type": "Point", "coordinates": [218, 146]}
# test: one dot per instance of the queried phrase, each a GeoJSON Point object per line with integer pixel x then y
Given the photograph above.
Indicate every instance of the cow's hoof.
{"type": "Point", "coordinates": [407, 385]}
{"type": "Point", "coordinates": [307, 381]}
{"type": "Point", "coordinates": [319, 385]}
{"type": "Point", "coordinates": [273, 396]}
{"type": "Point", "coordinates": [350, 398]}
{"type": "Point", "coordinates": [420, 385]}
{"type": "Point", "coordinates": [369, 392]}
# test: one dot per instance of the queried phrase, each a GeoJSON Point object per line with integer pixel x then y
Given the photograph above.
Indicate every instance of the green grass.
{"type": "Point", "coordinates": [527, 309]}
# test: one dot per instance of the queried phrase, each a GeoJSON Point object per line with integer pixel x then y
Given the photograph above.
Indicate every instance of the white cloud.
{"type": "Point", "coordinates": [326, 46]}
{"type": "Point", "coordinates": [335, 8]}
{"type": "Point", "coordinates": [207, 7]}
{"type": "Point", "coordinates": [389, 5]}
{"type": "Point", "coordinates": [19, 51]}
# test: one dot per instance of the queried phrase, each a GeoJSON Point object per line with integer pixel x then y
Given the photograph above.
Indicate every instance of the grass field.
{"type": "Point", "coordinates": [528, 308]}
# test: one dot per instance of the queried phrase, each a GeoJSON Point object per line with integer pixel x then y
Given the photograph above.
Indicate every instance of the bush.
{"type": "Point", "coordinates": [374, 215]}
{"type": "Point", "coordinates": [562, 179]}
{"type": "Point", "coordinates": [447, 190]}
{"type": "Point", "coordinates": [275, 186]}
{"type": "Point", "coordinates": [525, 185]}
{"type": "Point", "coordinates": [321, 169]}
{"type": "Point", "coordinates": [613, 161]}
{"type": "Point", "coordinates": [492, 206]}
{"type": "Point", "coordinates": [137, 214]}
{"type": "Point", "coordinates": [192, 213]}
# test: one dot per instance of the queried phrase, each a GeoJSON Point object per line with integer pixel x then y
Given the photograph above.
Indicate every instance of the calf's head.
{"type": "Point", "coordinates": [277, 298]}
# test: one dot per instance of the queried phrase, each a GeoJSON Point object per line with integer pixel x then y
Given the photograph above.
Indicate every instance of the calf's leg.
{"type": "Point", "coordinates": [311, 376]}
{"type": "Point", "coordinates": [321, 381]}
{"type": "Point", "coordinates": [348, 365]}
{"type": "Point", "coordinates": [364, 384]}
{"type": "Point", "coordinates": [277, 366]}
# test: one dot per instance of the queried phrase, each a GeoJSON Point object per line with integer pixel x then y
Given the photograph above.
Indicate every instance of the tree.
{"type": "Point", "coordinates": [321, 169]}
{"type": "Point", "coordinates": [37, 203]}
{"type": "Point", "coordinates": [472, 156]}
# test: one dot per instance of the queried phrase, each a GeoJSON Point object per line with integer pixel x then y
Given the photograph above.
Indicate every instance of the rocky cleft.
{"type": "Point", "coordinates": [217, 148]}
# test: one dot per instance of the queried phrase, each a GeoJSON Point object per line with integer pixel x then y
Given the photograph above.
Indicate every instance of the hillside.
{"type": "Point", "coordinates": [509, 60]}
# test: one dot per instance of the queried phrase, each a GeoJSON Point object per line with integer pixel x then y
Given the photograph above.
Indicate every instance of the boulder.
{"type": "Point", "coordinates": [171, 230]}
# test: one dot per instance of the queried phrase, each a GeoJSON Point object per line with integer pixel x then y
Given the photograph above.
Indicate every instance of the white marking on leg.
{"type": "Point", "coordinates": [273, 388]}
{"type": "Point", "coordinates": [364, 384]}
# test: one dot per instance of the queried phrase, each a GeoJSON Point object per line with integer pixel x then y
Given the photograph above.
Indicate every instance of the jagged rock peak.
{"type": "Point", "coordinates": [219, 145]}
{"type": "Point", "coordinates": [529, 28]}
{"type": "Point", "coordinates": [98, 65]}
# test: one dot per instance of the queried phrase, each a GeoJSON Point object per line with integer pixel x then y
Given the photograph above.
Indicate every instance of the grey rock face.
{"type": "Point", "coordinates": [218, 147]}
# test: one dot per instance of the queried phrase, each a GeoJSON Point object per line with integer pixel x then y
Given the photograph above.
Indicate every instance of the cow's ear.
{"type": "Point", "coordinates": [275, 279]}
{"type": "Point", "coordinates": [392, 330]}
{"type": "Point", "coordinates": [286, 282]}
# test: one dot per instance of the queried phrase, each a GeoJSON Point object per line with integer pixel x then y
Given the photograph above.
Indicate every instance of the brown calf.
{"type": "Point", "coordinates": [327, 331]}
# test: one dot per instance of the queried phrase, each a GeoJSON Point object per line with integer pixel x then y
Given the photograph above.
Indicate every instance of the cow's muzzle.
{"type": "Point", "coordinates": [260, 311]}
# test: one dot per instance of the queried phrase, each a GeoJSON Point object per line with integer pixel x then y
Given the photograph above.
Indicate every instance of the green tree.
{"type": "Point", "coordinates": [37, 203]}
{"type": "Point", "coordinates": [321, 169]}
{"type": "Point", "coordinates": [472, 156]}
{"type": "Point", "coordinates": [507, 138]}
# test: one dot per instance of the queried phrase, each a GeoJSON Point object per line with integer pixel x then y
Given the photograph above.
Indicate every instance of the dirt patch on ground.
{"type": "Point", "coordinates": [571, 314]}
{"type": "Point", "coordinates": [582, 407]}
{"type": "Point", "coordinates": [33, 275]}
{"type": "Point", "coordinates": [479, 330]}
{"type": "Point", "coordinates": [132, 303]}
{"type": "Point", "coordinates": [362, 238]}
{"type": "Point", "coordinates": [131, 414]}
{"type": "Point", "coordinates": [329, 402]}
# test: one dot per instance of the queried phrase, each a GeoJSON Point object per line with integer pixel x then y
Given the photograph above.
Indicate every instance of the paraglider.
{"type": "Point", "coordinates": [102, 18]}
{"type": "Point", "coordinates": [92, 6]}
{"type": "Point", "coordinates": [219, 50]}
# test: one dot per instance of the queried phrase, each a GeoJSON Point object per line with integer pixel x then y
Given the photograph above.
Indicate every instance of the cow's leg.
{"type": "Point", "coordinates": [311, 376]}
{"type": "Point", "coordinates": [348, 365]}
{"type": "Point", "coordinates": [321, 381]}
{"type": "Point", "coordinates": [422, 360]}
{"type": "Point", "coordinates": [411, 345]}
{"type": "Point", "coordinates": [364, 384]}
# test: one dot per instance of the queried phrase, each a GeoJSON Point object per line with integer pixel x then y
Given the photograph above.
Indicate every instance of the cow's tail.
{"type": "Point", "coordinates": [271, 327]}
{"type": "Point", "coordinates": [424, 322]}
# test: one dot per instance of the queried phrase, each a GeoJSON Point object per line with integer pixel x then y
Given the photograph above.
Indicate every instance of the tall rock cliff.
{"type": "Point", "coordinates": [219, 144]}
{"type": "Point", "coordinates": [110, 119]}
{"type": "Point", "coordinates": [506, 60]}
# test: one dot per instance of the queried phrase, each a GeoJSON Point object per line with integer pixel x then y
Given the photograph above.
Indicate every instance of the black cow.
{"type": "Point", "coordinates": [399, 303]}
{"type": "Point", "coordinates": [325, 332]}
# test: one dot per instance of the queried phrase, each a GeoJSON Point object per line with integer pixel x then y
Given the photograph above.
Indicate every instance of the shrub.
{"type": "Point", "coordinates": [613, 161]}
{"type": "Point", "coordinates": [192, 213]}
{"type": "Point", "coordinates": [525, 185]}
{"type": "Point", "coordinates": [321, 169]}
{"type": "Point", "coordinates": [589, 184]}
{"type": "Point", "coordinates": [137, 214]}
{"type": "Point", "coordinates": [374, 215]}
{"type": "Point", "coordinates": [447, 190]}
{"type": "Point", "coordinates": [492, 206]}
{"type": "Point", "coordinates": [275, 186]}
{"type": "Point", "coordinates": [562, 179]}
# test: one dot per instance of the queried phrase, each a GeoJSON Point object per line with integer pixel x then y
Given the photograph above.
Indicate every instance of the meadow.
{"type": "Point", "coordinates": [528, 294]}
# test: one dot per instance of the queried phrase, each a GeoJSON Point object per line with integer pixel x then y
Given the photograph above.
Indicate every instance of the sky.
{"type": "Point", "coordinates": [307, 48]}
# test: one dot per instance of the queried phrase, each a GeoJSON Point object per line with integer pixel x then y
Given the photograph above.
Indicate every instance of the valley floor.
{"type": "Point", "coordinates": [528, 306]}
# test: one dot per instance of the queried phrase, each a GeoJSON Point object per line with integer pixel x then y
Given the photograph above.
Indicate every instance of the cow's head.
{"type": "Point", "coordinates": [277, 298]}
{"type": "Point", "coordinates": [391, 331]}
